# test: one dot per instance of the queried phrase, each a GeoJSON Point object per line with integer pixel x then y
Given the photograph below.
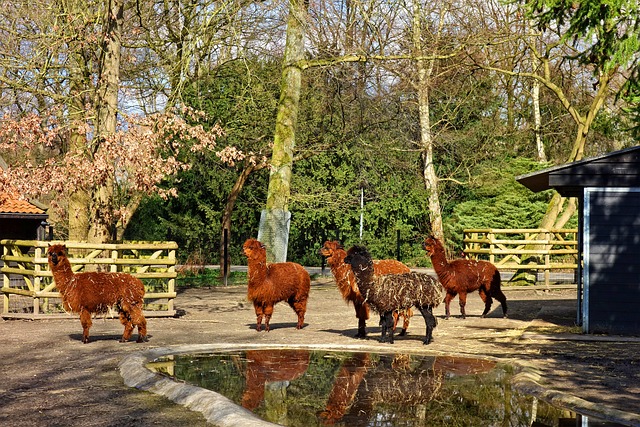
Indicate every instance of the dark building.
{"type": "Point", "coordinates": [608, 189]}
{"type": "Point", "coordinates": [20, 219]}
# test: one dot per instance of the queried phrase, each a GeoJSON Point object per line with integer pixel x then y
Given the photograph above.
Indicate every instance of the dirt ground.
{"type": "Point", "coordinates": [49, 378]}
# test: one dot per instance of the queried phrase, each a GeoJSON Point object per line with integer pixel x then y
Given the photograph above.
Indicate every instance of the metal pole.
{"type": "Point", "coordinates": [361, 212]}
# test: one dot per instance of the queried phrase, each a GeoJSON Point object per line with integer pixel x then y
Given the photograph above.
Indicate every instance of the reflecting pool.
{"type": "Point", "coordinates": [319, 388]}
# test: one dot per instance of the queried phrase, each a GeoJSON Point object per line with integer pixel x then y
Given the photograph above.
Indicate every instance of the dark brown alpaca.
{"type": "Point", "coordinates": [346, 282]}
{"type": "Point", "coordinates": [95, 292]}
{"type": "Point", "coordinates": [269, 284]}
{"type": "Point", "coordinates": [395, 292]}
{"type": "Point", "coordinates": [462, 276]}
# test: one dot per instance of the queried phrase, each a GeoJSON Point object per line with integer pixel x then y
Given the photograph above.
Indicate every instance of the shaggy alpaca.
{"type": "Point", "coordinates": [462, 276]}
{"type": "Point", "coordinates": [269, 284]}
{"type": "Point", "coordinates": [362, 384]}
{"type": "Point", "coordinates": [95, 292]}
{"type": "Point", "coordinates": [346, 283]}
{"type": "Point", "coordinates": [391, 292]}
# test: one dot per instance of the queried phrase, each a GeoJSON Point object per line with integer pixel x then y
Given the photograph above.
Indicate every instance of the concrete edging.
{"type": "Point", "coordinates": [529, 382]}
{"type": "Point", "coordinates": [223, 412]}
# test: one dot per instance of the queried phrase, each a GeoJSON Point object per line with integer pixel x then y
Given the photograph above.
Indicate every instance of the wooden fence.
{"type": "Point", "coordinates": [29, 289]}
{"type": "Point", "coordinates": [525, 249]}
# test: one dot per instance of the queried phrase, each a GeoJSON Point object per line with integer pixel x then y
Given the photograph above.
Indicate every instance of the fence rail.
{"type": "Point", "coordinates": [533, 249]}
{"type": "Point", "coordinates": [28, 287]}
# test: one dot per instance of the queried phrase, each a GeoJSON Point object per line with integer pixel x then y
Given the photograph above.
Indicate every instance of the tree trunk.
{"type": "Point", "coordinates": [102, 222]}
{"type": "Point", "coordinates": [79, 200]}
{"type": "Point", "coordinates": [228, 208]}
{"type": "Point", "coordinates": [274, 224]}
{"type": "Point", "coordinates": [583, 124]}
{"type": "Point", "coordinates": [537, 122]}
{"type": "Point", "coordinates": [425, 69]}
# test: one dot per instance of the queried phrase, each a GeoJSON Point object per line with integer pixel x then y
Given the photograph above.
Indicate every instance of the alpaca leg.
{"type": "Point", "coordinates": [405, 324]}
{"type": "Point", "coordinates": [300, 307]}
{"type": "Point", "coordinates": [430, 321]}
{"type": "Point", "coordinates": [463, 303]}
{"type": "Point", "coordinates": [387, 327]}
{"type": "Point", "coordinates": [488, 301]}
{"type": "Point", "coordinates": [259, 314]}
{"type": "Point", "coordinates": [85, 321]}
{"type": "Point", "coordinates": [499, 295]}
{"type": "Point", "coordinates": [268, 311]}
{"type": "Point", "coordinates": [362, 313]}
{"type": "Point", "coordinates": [138, 319]}
{"type": "Point", "coordinates": [125, 319]}
{"type": "Point", "coordinates": [447, 301]}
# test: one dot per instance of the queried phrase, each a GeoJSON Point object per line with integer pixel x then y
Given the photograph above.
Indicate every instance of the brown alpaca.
{"type": "Point", "coordinates": [265, 367]}
{"type": "Point", "coordinates": [346, 282]}
{"type": "Point", "coordinates": [345, 387]}
{"type": "Point", "coordinates": [95, 292]}
{"type": "Point", "coordinates": [462, 276]}
{"type": "Point", "coordinates": [269, 284]}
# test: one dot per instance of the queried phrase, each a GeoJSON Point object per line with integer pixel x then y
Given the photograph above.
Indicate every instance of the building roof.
{"type": "Point", "coordinates": [10, 204]}
{"type": "Point", "coordinates": [615, 169]}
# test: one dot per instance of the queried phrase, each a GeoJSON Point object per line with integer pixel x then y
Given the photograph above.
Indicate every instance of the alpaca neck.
{"type": "Point", "coordinates": [339, 268]}
{"type": "Point", "coordinates": [62, 273]}
{"type": "Point", "coordinates": [364, 276]}
{"type": "Point", "coordinates": [256, 271]}
{"type": "Point", "coordinates": [440, 262]}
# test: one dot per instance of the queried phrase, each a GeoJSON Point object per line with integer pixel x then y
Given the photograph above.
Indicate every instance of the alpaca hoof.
{"type": "Point", "coordinates": [85, 340]}
{"type": "Point", "coordinates": [386, 340]}
{"type": "Point", "coordinates": [403, 333]}
{"type": "Point", "coordinates": [427, 342]}
{"type": "Point", "coordinates": [142, 339]}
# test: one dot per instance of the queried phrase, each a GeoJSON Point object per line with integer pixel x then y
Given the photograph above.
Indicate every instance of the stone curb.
{"type": "Point", "coordinates": [529, 382]}
{"type": "Point", "coordinates": [223, 412]}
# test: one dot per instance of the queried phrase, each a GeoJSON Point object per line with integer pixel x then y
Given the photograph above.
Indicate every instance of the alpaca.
{"type": "Point", "coordinates": [95, 292]}
{"type": "Point", "coordinates": [269, 284]}
{"type": "Point", "coordinates": [346, 283]}
{"type": "Point", "coordinates": [390, 292]}
{"type": "Point", "coordinates": [267, 367]}
{"type": "Point", "coordinates": [462, 276]}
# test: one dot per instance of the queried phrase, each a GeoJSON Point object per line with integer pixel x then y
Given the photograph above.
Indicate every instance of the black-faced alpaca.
{"type": "Point", "coordinates": [389, 292]}
{"type": "Point", "coordinates": [462, 276]}
{"type": "Point", "coordinates": [95, 292]}
{"type": "Point", "coordinates": [269, 284]}
{"type": "Point", "coordinates": [346, 283]}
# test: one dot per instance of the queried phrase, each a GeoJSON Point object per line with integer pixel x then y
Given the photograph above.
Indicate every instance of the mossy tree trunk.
{"type": "Point", "coordinates": [101, 219]}
{"type": "Point", "coordinates": [424, 69]}
{"type": "Point", "coordinates": [273, 230]}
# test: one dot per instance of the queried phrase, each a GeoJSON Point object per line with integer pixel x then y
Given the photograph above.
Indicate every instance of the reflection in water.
{"type": "Point", "coordinates": [319, 388]}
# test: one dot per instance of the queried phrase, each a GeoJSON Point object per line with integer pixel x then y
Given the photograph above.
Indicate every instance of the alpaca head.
{"type": "Point", "coordinates": [253, 249]}
{"type": "Point", "coordinates": [361, 262]}
{"type": "Point", "coordinates": [330, 247]}
{"type": "Point", "coordinates": [55, 253]}
{"type": "Point", "coordinates": [431, 245]}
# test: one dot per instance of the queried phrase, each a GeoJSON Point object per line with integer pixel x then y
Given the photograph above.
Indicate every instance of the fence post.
{"type": "Point", "coordinates": [36, 282]}
{"type": "Point", "coordinates": [6, 283]}
{"type": "Point", "coordinates": [171, 283]}
{"type": "Point", "coordinates": [492, 257]}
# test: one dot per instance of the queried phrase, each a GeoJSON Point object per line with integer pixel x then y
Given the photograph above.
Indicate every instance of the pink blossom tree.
{"type": "Point", "coordinates": [131, 163]}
